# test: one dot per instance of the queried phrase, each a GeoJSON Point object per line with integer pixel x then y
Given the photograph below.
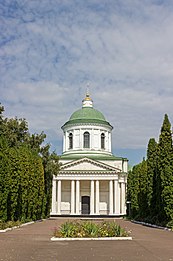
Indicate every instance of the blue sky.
{"type": "Point", "coordinates": [50, 50]}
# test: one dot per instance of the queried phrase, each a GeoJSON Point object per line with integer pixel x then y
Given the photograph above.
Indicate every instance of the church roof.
{"type": "Point", "coordinates": [94, 156]}
{"type": "Point", "coordinates": [87, 114]}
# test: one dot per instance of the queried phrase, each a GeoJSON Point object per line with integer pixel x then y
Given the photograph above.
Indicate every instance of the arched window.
{"type": "Point", "coordinates": [86, 140]}
{"type": "Point", "coordinates": [102, 141]}
{"type": "Point", "coordinates": [70, 141]}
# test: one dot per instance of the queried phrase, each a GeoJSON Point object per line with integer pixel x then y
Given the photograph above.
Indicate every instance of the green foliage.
{"type": "Point", "coordinates": [137, 189]}
{"type": "Point", "coordinates": [9, 224]}
{"type": "Point", "coordinates": [133, 190]}
{"type": "Point", "coordinates": [51, 167]}
{"type": "Point", "coordinates": [151, 175]}
{"type": "Point", "coordinates": [165, 170]}
{"type": "Point", "coordinates": [69, 229]}
{"type": "Point", "coordinates": [26, 169]}
{"type": "Point", "coordinates": [143, 185]}
{"type": "Point", "coordinates": [4, 178]}
{"type": "Point", "coordinates": [170, 224]}
{"type": "Point", "coordinates": [15, 131]}
{"type": "Point", "coordinates": [150, 183]}
{"type": "Point", "coordinates": [90, 229]}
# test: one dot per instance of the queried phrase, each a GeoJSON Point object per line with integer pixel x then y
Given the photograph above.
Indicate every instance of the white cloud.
{"type": "Point", "coordinates": [49, 52]}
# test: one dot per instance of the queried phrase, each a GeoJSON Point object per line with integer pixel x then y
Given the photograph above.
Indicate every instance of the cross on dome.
{"type": "Point", "coordinates": [87, 101]}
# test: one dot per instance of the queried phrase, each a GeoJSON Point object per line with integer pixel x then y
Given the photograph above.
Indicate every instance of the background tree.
{"type": "Point", "coordinates": [150, 183]}
{"type": "Point", "coordinates": [165, 170]}
{"type": "Point", "coordinates": [151, 176]}
{"type": "Point", "coordinates": [142, 194]}
{"type": "Point", "coordinates": [26, 170]}
{"type": "Point", "coordinates": [133, 190]}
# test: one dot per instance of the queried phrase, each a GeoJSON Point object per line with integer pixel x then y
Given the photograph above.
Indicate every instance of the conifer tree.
{"type": "Point", "coordinates": [151, 175]}
{"type": "Point", "coordinates": [142, 195]}
{"type": "Point", "coordinates": [26, 170]}
{"type": "Point", "coordinates": [165, 171]}
{"type": "Point", "coordinates": [150, 183]}
{"type": "Point", "coordinates": [133, 190]}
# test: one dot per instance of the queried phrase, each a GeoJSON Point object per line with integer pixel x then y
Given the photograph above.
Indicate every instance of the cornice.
{"type": "Point", "coordinates": [68, 124]}
{"type": "Point", "coordinates": [86, 172]}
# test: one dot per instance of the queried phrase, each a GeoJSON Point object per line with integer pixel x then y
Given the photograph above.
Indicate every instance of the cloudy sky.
{"type": "Point", "coordinates": [51, 49]}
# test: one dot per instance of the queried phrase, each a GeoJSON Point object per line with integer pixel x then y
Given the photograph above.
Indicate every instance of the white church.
{"type": "Point", "coordinates": [91, 181]}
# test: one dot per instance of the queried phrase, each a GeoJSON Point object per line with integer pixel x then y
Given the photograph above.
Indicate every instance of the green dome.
{"type": "Point", "coordinates": [87, 113]}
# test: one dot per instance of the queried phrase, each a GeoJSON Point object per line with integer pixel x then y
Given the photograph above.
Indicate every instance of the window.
{"type": "Point", "coordinates": [70, 141]}
{"type": "Point", "coordinates": [86, 143]}
{"type": "Point", "coordinates": [102, 141]}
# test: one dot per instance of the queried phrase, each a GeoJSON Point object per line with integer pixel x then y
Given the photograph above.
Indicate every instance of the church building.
{"type": "Point", "coordinates": [91, 181]}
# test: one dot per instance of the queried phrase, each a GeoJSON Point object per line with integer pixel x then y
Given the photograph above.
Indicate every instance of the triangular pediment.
{"type": "Point", "coordinates": [86, 164]}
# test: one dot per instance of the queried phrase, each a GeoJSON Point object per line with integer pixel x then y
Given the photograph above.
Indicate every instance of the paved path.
{"type": "Point", "coordinates": [32, 242]}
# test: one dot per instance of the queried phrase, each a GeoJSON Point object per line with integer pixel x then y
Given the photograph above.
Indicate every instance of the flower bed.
{"type": "Point", "coordinates": [89, 230]}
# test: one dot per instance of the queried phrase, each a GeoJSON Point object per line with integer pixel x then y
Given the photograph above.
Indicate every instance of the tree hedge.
{"type": "Point", "coordinates": [150, 183]}
{"type": "Point", "coordinates": [26, 170]}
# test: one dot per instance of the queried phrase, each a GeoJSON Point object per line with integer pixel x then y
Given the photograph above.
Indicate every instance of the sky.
{"type": "Point", "coordinates": [51, 49]}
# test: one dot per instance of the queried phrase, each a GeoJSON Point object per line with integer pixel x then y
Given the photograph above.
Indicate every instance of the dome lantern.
{"type": "Point", "coordinates": [87, 101]}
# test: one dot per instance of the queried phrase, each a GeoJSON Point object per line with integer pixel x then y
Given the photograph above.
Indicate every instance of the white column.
{"type": "Point", "coordinates": [92, 198]}
{"type": "Point", "coordinates": [116, 197]}
{"type": "Point", "coordinates": [72, 196]}
{"type": "Point", "coordinates": [59, 197]}
{"type": "Point", "coordinates": [80, 139]}
{"type": "Point", "coordinates": [97, 198]}
{"type": "Point", "coordinates": [123, 197]}
{"type": "Point", "coordinates": [110, 142]}
{"type": "Point", "coordinates": [66, 141]}
{"type": "Point", "coordinates": [106, 141]}
{"type": "Point", "coordinates": [91, 139]}
{"type": "Point", "coordinates": [54, 196]}
{"type": "Point", "coordinates": [77, 197]}
{"type": "Point", "coordinates": [110, 197]}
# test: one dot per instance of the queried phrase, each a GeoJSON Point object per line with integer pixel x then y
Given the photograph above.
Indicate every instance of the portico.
{"type": "Point", "coordinates": [105, 196]}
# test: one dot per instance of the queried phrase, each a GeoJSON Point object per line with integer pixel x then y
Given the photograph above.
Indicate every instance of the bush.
{"type": "Point", "coordinates": [170, 224]}
{"type": "Point", "coordinates": [9, 224]}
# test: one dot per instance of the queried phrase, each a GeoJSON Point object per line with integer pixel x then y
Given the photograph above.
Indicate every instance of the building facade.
{"type": "Point", "coordinates": [91, 180]}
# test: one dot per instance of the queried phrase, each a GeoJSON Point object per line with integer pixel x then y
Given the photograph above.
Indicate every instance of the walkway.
{"type": "Point", "coordinates": [32, 242]}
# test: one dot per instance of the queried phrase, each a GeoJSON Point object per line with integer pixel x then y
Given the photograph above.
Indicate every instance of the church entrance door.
{"type": "Point", "coordinates": [85, 205]}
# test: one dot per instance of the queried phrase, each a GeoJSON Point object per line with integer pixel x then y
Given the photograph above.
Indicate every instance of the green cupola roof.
{"type": "Point", "coordinates": [87, 114]}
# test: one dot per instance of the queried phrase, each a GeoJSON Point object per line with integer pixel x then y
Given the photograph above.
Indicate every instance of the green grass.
{"type": "Point", "coordinates": [89, 229]}
{"type": "Point", "coordinates": [9, 224]}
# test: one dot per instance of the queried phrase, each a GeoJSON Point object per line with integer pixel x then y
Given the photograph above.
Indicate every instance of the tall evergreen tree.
{"type": "Point", "coordinates": [133, 190]}
{"type": "Point", "coordinates": [142, 195]}
{"type": "Point", "coordinates": [165, 170]}
{"type": "Point", "coordinates": [26, 170]}
{"type": "Point", "coordinates": [151, 176]}
{"type": "Point", "coordinates": [150, 183]}
{"type": "Point", "coordinates": [51, 167]}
